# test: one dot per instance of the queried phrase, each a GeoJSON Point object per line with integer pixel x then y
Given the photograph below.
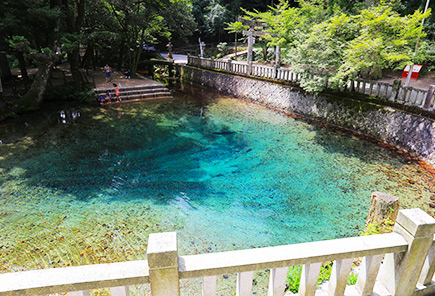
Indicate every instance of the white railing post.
{"type": "Point", "coordinates": [209, 285]}
{"type": "Point", "coordinates": [244, 283]}
{"type": "Point", "coordinates": [400, 272]}
{"type": "Point", "coordinates": [277, 281]}
{"type": "Point", "coordinates": [339, 275]}
{"type": "Point", "coordinates": [369, 269]}
{"type": "Point", "coordinates": [309, 277]}
{"type": "Point", "coordinates": [162, 255]}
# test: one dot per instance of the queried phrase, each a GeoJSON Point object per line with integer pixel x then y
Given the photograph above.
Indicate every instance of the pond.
{"type": "Point", "coordinates": [88, 184]}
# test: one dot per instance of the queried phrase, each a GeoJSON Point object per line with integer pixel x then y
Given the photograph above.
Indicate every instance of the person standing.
{"type": "Point", "coordinates": [118, 99]}
{"type": "Point", "coordinates": [107, 70]}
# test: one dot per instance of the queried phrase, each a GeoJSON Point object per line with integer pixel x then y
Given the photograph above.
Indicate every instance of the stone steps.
{"type": "Point", "coordinates": [136, 93]}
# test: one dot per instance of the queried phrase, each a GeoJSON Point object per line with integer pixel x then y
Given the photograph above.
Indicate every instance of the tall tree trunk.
{"type": "Point", "coordinates": [33, 98]}
{"type": "Point", "coordinates": [87, 58]}
{"type": "Point", "coordinates": [121, 56]}
{"type": "Point", "coordinates": [136, 60]}
{"type": "Point", "coordinates": [23, 65]}
{"type": "Point", "coordinates": [74, 62]}
{"type": "Point", "coordinates": [75, 12]}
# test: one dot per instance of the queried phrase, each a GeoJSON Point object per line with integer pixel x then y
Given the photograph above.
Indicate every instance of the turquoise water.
{"type": "Point", "coordinates": [87, 184]}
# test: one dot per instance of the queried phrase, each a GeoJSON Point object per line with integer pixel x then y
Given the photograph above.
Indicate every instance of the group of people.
{"type": "Point", "coordinates": [108, 97]}
{"type": "Point", "coordinates": [108, 70]}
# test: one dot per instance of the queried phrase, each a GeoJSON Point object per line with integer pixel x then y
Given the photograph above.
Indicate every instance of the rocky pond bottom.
{"type": "Point", "coordinates": [88, 185]}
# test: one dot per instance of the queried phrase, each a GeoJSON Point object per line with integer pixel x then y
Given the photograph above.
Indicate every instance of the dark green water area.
{"type": "Point", "coordinates": [81, 185]}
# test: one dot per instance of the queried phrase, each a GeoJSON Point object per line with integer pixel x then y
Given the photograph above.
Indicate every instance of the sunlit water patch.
{"type": "Point", "coordinates": [88, 185]}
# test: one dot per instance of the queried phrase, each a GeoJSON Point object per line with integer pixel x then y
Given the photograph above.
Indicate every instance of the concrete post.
{"type": "Point", "coordinates": [162, 255]}
{"type": "Point", "coordinates": [400, 272]}
{"type": "Point", "coordinates": [229, 65]}
{"type": "Point", "coordinates": [429, 97]}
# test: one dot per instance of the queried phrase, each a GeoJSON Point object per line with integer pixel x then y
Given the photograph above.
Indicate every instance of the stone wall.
{"type": "Point", "coordinates": [408, 132]}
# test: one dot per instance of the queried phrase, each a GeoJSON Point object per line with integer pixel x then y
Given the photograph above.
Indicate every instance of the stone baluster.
{"type": "Point", "coordinates": [244, 283]}
{"type": "Point", "coordinates": [162, 255]}
{"type": "Point", "coordinates": [209, 285]}
{"type": "Point", "coordinates": [309, 277]}
{"type": "Point", "coordinates": [369, 269]}
{"type": "Point", "coordinates": [277, 281]}
{"type": "Point", "coordinates": [339, 275]}
{"type": "Point", "coordinates": [378, 89]}
{"type": "Point", "coordinates": [400, 272]}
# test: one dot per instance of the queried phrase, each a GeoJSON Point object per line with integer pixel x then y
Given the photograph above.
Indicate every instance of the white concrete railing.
{"type": "Point", "coordinates": [392, 92]}
{"type": "Point", "coordinates": [407, 269]}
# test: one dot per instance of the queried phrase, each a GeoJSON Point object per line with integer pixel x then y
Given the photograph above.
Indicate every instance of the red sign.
{"type": "Point", "coordinates": [415, 70]}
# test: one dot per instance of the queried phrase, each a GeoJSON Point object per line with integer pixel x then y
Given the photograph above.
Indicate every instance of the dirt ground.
{"type": "Point", "coordinates": [118, 77]}
{"type": "Point", "coordinates": [61, 74]}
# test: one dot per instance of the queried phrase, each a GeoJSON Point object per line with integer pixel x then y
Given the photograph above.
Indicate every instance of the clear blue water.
{"type": "Point", "coordinates": [87, 185]}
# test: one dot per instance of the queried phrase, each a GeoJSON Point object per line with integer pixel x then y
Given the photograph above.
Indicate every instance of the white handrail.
{"type": "Point", "coordinates": [289, 255]}
{"type": "Point", "coordinates": [75, 278]}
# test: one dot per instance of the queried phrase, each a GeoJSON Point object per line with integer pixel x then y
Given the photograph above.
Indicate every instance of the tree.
{"type": "Point", "coordinates": [385, 40]}
{"type": "Point", "coordinates": [74, 13]}
{"type": "Point", "coordinates": [236, 28]}
{"type": "Point", "coordinates": [31, 18]}
{"type": "Point", "coordinates": [323, 40]}
{"type": "Point", "coordinates": [180, 22]}
{"type": "Point", "coordinates": [211, 17]}
{"type": "Point", "coordinates": [322, 51]}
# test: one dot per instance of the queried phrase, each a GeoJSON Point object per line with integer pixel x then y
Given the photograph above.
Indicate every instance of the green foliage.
{"type": "Point", "coordinates": [222, 49]}
{"type": "Point", "coordinates": [385, 226]}
{"type": "Point", "coordinates": [236, 27]}
{"type": "Point", "coordinates": [323, 39]}
{"type": "Point", "coordinates": [294, 278]}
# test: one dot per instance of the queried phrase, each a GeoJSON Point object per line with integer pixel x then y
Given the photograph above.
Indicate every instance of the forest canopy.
{"type": "Point", "coordinates": [339, 38]}
{"type": "Point", "coordinates": [340, 41]}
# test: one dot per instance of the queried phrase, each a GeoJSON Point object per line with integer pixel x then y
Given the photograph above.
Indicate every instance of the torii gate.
{"type": "Point", "coordinates": [251, 33]}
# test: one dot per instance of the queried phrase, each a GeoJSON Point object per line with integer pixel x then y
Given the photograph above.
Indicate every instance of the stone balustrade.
{"type": "Point", "coordinates": [398, 263]}
{"type": "Point", "coordinates": [391, 92]}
